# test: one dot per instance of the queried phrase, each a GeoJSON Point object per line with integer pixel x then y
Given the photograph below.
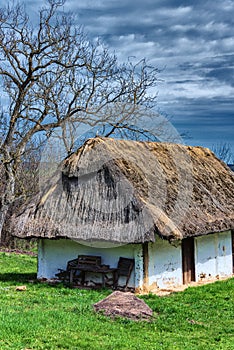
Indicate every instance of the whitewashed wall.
{"type": "Point", "coordinates": [213, 255]}
{"type": "Point", "coordinates": [54, 254]}
{"type": "Point", "coordinates": [165, 264]}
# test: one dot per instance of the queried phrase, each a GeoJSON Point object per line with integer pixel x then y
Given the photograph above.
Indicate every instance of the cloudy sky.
{"type": "Point", "coordinates": [191, 42]}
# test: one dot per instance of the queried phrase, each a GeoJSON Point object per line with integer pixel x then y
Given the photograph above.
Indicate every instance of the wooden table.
{"type": "Point", "coordinates": [102, 269]}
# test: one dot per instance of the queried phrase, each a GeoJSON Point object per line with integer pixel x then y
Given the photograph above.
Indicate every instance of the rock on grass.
{"type": "Point", "coordinates": [127, 305]}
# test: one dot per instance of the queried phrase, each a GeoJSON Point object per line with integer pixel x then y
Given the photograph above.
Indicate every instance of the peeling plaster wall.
{"type": "Point", "coordinates": [54, 254]}
{"type": "Point", "coordinates": [165, 264]}
{"type": "Point", "coordinates": [213, 255]}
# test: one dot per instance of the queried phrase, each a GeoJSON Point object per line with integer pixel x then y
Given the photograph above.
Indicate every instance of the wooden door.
{"type": "Point", "coordinates": [188, 262]}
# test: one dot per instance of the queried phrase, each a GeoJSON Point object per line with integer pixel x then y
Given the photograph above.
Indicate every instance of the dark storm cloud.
{"type": "Point", "coordinates": [223, 75]}
{"type": "Point", "coordinates": [205, 126]}
{"type": "Point", "coordinates": [191, 42]}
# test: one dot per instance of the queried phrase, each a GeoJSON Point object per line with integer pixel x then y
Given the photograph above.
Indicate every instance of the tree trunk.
{"type": "Point", "coordinates": [8, 196]}
{"type": "Point", "coordinates": [3, 214]}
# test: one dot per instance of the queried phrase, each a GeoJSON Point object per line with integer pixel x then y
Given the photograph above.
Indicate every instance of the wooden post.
{"type": "Point", "coordinates": [145, 250]}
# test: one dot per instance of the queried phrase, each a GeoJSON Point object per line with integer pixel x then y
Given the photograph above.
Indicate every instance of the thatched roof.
{"type": "Point", "coordinates": [126, 191]}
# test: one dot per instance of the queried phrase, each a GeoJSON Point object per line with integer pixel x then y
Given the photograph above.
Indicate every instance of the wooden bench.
{"type": "Point", "coordinates": [92, 264]}
{"type": "Point", "coordinates": [80, 263]}
{"type": "Point", "coordinates": [76, 269]}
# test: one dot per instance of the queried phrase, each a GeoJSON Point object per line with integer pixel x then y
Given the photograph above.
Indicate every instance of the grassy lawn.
{"type": "Point", "coordinates": [55, 317]}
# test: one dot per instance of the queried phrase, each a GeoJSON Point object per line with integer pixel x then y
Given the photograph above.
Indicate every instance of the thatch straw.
{"type": "Point", "coordinates": [126, 191]}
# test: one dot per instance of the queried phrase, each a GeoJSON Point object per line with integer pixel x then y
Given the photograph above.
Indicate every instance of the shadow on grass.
{"type": "Point", "coordinates": [17, 277]}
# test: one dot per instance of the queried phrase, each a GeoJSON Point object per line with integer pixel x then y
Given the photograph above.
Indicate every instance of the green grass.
{"type": "Point", "coordinates": [55, 317]}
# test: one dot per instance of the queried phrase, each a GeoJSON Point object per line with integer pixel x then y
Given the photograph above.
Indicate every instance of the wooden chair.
{"type": "Point", "coordinates": [124, 269]}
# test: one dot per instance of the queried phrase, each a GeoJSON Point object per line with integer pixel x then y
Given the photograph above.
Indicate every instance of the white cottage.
{"type": "Point", "coordinates": [168, 206]}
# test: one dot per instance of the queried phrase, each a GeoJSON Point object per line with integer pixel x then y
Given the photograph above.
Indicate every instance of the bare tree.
{"type": "Point", "coordinates": [224, 152]}
{"type": "Point", "coordinates": [51, 73]}
{"type": "Point", "coordinates": [26, 185]}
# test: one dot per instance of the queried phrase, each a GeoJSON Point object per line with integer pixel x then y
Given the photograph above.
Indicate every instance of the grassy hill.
{"type": "Point", "coordinates": [55, 317]}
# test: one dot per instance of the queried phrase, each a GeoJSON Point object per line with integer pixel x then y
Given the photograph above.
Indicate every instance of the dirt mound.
{"type": "Point", "coordinates": [124, 305]}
